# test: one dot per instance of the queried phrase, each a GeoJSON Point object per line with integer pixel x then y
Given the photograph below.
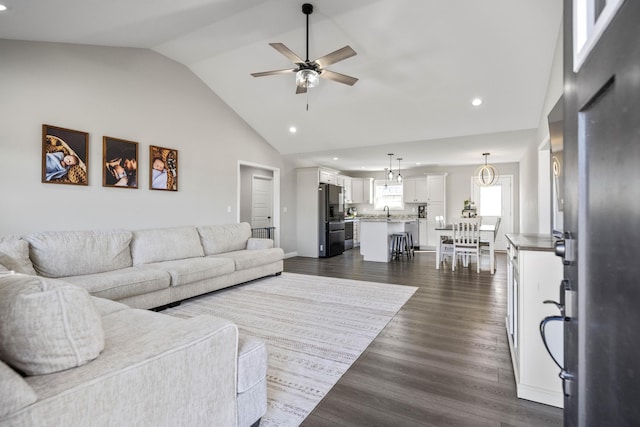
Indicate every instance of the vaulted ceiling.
{"type": "Point", "coordinates": [419, 65]}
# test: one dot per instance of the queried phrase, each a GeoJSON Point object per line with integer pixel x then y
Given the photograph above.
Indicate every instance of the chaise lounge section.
{"type": "Point", "coordinates": [151, 369]}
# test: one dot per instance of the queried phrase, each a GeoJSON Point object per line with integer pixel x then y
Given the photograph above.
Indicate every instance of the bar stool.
{"type": "Point", "coordinates": [398, 245]}
{"type": "Point", "coordinates": [409, 244]}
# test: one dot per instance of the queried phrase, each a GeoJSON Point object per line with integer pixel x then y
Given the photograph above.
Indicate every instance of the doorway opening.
{"type": "Point", "coordinates": [259, 198]}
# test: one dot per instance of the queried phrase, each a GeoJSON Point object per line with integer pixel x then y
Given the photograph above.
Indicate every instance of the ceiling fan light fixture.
{"type": "Point", "coordinates": [307, 78]}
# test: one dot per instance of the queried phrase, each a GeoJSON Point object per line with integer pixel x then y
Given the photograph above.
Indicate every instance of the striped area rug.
{"type": "Point", "coordinates": [315, 328]}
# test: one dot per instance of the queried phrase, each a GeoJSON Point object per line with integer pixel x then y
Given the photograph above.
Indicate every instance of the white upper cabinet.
{"type": "Point", "coordinates": [435, 188]}
{"type": "Point", "coordinates": [361, 190]}
{"type": "Point", "coordinates": [423, 189]}
{"type": "Point", "coordinates": [348, 194]}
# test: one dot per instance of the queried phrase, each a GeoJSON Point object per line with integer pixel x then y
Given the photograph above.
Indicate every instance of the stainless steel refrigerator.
{"type": "Point", "coordinates": [331, 220]}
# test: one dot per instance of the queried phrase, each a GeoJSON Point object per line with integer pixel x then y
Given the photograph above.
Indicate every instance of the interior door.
{"type": "Point", "coordinates": [495, 201]}
{"type": "Point", "coordinates": [261, 201]}
{"type": "Point", "coordinates": [601, 157]}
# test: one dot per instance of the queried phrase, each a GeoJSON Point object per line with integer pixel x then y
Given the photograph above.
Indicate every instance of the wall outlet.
{"type": "Point", "coordinates": [229, 209]}
{"type": "Point", "coordinates": [284, 209]}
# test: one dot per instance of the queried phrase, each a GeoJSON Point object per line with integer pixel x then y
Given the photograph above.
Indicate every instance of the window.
{"type": "Point", "coordinates": [387, 194]}
{"type": "Point", "coordinates": [491, 201]}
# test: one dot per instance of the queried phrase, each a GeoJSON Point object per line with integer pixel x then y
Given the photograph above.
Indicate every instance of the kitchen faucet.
{"type": "Point", "coordinates": [386, 208]}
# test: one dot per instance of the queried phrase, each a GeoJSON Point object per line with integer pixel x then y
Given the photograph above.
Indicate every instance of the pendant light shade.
{"type": "Point", "coordinates": [399, 178]}
{"type": "Point", "coordinates": [486, 175]}
{"type": "Point", "coordinates": [390, 175]}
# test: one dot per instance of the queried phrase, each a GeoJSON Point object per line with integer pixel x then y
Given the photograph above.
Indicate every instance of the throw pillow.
{"type": "Point", "coordinates": [15, 393]}
{"type": "Point", "coordinates": [14, 255]}
{"type": "Point", "coordinates": [47, 325]}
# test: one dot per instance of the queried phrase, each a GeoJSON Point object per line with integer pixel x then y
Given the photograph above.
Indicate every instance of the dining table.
{"type": "Point", "coordinates": [487, 234]}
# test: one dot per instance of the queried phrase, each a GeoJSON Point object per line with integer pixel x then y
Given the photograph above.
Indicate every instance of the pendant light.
{"type": "Point", "coordinates": [390, 175]}
{"type": "Point", "coordinates": [486, 175]}
{"type": "Point", "coordinates": [399, 178]}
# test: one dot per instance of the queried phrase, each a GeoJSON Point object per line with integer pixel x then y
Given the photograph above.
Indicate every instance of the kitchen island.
{"type": "Point", "coordinates": [375, 236]}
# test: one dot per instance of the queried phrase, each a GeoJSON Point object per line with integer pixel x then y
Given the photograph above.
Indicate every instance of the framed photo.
{"type": "Point", "coordinates": [163, 168]}
{"type": "Point", "coordinates": [120, 160]}
{"type": "Point", "coordinates": [64, 156]}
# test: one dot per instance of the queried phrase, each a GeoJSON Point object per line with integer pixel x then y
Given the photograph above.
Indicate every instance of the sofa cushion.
{"type": "Point", "coordinates": [47, 325]}
{"type": "Point", "coordinates": [252, 361]}
{"type": "Point", "coordinates": [165, 244]}
{"type": "Point", "coordinates": [217, 239]}
{"type": "Point", "coordinates": [74, 253]}
{"type": "Point", "coordinates": [257, 258]}
{"type": "Point", "coordinates": [186, 271]}
{"type": "Point", "coordinates": [15, 393]}
{"type": "Point", "coordinates": [123, 283]}
{"type": "Point", "coordinates": [14, 255]}
{"type": "Point", "coordinates": [259, 243]}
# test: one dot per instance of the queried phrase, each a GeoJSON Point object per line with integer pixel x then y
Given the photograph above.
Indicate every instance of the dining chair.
{"type": "Point", "coordinates": [484, 245]}
{"type": "Point", "coordinates": [466, 241]}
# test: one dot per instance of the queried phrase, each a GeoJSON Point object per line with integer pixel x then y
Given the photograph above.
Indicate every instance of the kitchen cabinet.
{"type": "Point", "coordinates": [328, 177]}
{"type": "Point", "coordinates": [534, 274]}
{"type": "Point", "coordinates": [433, 209]}
{"type": "Point", "coordinates": [348, 195]}
{"type": "Point", "coordinates": [361, 190]}
{"type": "Point", "coordinates": [424, 189]}
{"type": "Point", "coordinates": [435, 188]}
{"type": "Point", "coordinates": [414, 190]}
{"type": "Point", "coordinates": [422, 233]}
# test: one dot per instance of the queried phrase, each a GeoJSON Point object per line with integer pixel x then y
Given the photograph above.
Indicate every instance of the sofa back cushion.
{"type": "Point", "coordinates": [14, 255]}
{"type": "Point", "coordinates": [47, 325]}
{"type": "Point", "coordinates": [75, 253]}
{"type": "Point", "coordinates": [217, 239]}
{"type": "Point", "coordinates": [165, 244]}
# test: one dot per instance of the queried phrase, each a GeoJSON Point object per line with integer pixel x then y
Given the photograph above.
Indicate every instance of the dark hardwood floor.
{"type": "Point", "coordinates": [443, 360]}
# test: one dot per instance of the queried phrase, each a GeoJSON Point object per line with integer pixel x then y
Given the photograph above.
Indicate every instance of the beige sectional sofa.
{"type": "Point", "coordinates": [148, 368]}
{"type": "Point", "coordinates": [155, 267]}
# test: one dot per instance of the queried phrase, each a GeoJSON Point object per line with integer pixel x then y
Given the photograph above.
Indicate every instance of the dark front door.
{"type": "Point", "coordinates": [602, 219]}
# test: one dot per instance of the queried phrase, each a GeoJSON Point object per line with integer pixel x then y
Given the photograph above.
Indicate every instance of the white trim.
{"type": "Point", "coordinates": [586, 34]}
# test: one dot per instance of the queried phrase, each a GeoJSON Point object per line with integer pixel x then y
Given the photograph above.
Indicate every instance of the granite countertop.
{"type": "Point", "coordinates": [392, 218]}
{"type": "Point", "coordinates": [532, 241]}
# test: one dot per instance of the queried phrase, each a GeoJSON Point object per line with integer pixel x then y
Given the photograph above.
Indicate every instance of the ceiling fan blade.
{"type": "Point", "coordinates": [287, 52]}
{"type": "Point", "coordinates": [300, 89]}
{"type": "Point", "coordinates": [333, 57]}
{"type": "Point", "coordinates": [274, 72]}
{"type": "Point", "coordinates": [337, 77]}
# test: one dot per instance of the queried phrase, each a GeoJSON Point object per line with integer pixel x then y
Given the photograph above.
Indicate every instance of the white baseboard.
{"type": "Point", "coordinates": [291, 254]}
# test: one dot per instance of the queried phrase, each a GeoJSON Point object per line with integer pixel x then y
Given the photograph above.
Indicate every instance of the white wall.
{"type": "Point", "coordinates": [132, 94]}
{"type": "Point", "coordinates": [535, 213]}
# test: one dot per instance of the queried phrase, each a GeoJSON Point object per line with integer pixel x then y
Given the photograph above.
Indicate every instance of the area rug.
{"type": "Point", "coordinates": [315, 328]}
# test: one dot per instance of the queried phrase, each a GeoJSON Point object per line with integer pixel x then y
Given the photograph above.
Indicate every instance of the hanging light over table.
{"type": "Point", "coordinates": [390, 175]}
{"type": "Point", "coordinates": [486, 175]}
{"type": "Point", "coordinates": [399, 178]}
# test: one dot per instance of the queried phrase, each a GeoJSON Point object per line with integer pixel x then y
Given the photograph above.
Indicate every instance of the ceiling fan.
{"type": "Point", "coordinates": [308, 73]}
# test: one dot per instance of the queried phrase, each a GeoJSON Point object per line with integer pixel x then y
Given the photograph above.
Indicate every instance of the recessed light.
{"type": "Point", "coordinates": [418, 163]}
{"type": "Point", "coordinates": [293, 129]}
{"type": "Point", "coordinates": [335, 158]}
{"type": "Point", "coordinates": [3, 8]}
{"type": "Point", "coordinates": [363, 167]}
{"type": "Point", "coordinates": [476, 102]}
